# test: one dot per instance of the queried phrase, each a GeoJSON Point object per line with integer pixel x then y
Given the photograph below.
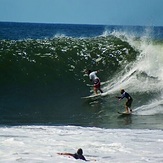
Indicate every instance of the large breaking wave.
{"type": "Point", "coordinates": [45, 77]}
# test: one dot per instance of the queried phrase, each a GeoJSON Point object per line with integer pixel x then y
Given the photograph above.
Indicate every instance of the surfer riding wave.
{"type": "Point", "coordinates": [96, 81]}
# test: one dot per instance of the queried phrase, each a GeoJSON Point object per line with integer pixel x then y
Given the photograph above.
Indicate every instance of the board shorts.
{"type": "Point", "coordinates": [129, 102]}
{"type": "Point", "coordinates": [97, 83]}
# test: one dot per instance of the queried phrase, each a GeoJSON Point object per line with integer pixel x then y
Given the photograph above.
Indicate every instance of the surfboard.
{"type": "Point", "coordinates": [124, 113]}
{"type": "Point", "coordinates": [95, 96]}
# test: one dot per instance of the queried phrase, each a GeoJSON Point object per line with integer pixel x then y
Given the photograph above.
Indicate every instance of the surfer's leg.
{"type": "Point", "coordinates": [97, 86]}
{"type": "Point", "coordinates": [128, 104]}
{"type": "Point", "coordinates": [100, 90]}
{"type": "Point", "coordinates": [95, 90]}
{"type": "Point", "coordinates": [127, 107]}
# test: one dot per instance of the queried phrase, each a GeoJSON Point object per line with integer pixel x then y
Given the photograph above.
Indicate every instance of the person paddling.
{"type": "Point", "coordinates": [77, 155]}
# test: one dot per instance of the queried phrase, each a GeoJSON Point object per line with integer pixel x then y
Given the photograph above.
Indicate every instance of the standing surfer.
{"type": "Point", "coordinates": [96, 81]}
{"type": "Point", "coordinates": [128, 102]}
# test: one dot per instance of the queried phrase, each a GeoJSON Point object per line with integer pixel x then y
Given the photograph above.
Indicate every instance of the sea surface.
{"type": "Point", "coordinates": [43, 80]}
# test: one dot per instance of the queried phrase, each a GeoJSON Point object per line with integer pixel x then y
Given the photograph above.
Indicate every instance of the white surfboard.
{"type": "Point", "coordinates": [124, 113]}
{"type": "Point", "coordinates": [95, 96]}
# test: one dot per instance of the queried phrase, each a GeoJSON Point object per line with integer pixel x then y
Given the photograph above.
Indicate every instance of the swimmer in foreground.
{"type": "Point", "coordinates": [77, 155]}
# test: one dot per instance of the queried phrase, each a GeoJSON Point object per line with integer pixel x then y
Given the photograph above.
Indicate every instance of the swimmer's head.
{"type": "Point", "coordinates": [79, 151]}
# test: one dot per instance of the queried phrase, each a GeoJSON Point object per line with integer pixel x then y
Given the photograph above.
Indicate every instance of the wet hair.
{"type": "Point", "coordinates": [79, 151]}
{"type": "Point", "coordinates": [89, 71]}
{"type": "Point", "coordinates": [122, 91]}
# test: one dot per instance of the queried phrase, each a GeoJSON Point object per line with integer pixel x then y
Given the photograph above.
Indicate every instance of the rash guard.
{"type": "Point", "coordinates": [125, 95]}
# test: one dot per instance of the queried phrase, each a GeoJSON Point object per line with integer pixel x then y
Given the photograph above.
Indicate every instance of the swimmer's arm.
{"type": "Point", "coordinates": [66, 154]}
{"type": "Point", "coordinates": [70, 154]}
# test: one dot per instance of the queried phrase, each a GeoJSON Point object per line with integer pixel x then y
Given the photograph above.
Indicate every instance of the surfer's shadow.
{"type": "Point", "coordinates": [127, 120]}
{"type": "Point", "coordinates": [93, 102]}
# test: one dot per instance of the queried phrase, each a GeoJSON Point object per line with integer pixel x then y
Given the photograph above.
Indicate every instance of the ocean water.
{"type": "Point", "coordinates": [42, 81]}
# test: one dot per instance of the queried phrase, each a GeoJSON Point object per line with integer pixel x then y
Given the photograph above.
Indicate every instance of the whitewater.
{"type": "Point", "coordinates": [42, 143]}
{"type": "Point", "coordinates": [145, 75]}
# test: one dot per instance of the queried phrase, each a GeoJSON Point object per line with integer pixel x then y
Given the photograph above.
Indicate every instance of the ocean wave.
{"type": "Point", "coordinates": [42, 80]}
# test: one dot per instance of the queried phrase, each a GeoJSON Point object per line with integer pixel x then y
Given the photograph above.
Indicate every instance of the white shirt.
{"type": "Point", "coordinates": [93, 75]}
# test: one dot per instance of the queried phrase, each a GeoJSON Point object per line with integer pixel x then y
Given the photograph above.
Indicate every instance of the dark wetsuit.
{"type": "Point", "coordinates": [77, 156]}
{"type": "Point", "coordinates": [129, 99]}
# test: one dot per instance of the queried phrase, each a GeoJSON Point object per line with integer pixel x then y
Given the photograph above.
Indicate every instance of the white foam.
{"type": "Point", "coordinates": [144, 75]}
{"type": "Point", "coordinates": [41, 144]}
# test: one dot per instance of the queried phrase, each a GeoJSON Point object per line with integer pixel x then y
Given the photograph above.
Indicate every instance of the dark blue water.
{"type": "Point", "coordinates": [19, 31]}
{"type": "Point", "coordinates": [16, 31]}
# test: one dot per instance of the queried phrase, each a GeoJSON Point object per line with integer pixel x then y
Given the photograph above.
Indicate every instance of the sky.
{"type": "Point", "coordinates": [106, 12]}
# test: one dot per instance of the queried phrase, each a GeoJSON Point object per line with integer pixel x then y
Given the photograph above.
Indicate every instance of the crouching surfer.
{"type": "Point", "coordinates": [128, 102]}
{"type": "Point", "coordinates": [96, 81]}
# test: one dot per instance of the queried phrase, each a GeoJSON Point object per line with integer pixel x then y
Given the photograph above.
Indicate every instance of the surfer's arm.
{"type": "Point", "coordinates": [120, 98]}
{"type": "Point", "coordinates": [89, 85]}
{"type": "Point", "coordinates": [99, 70]}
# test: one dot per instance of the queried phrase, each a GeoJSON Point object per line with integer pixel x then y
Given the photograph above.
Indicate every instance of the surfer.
{"type": "Point", "coordinates": [77, 155]}
{"type": "Point", "coordinates": [96, 81]}
{"type": "Point", "coordinates": [128, 102]}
